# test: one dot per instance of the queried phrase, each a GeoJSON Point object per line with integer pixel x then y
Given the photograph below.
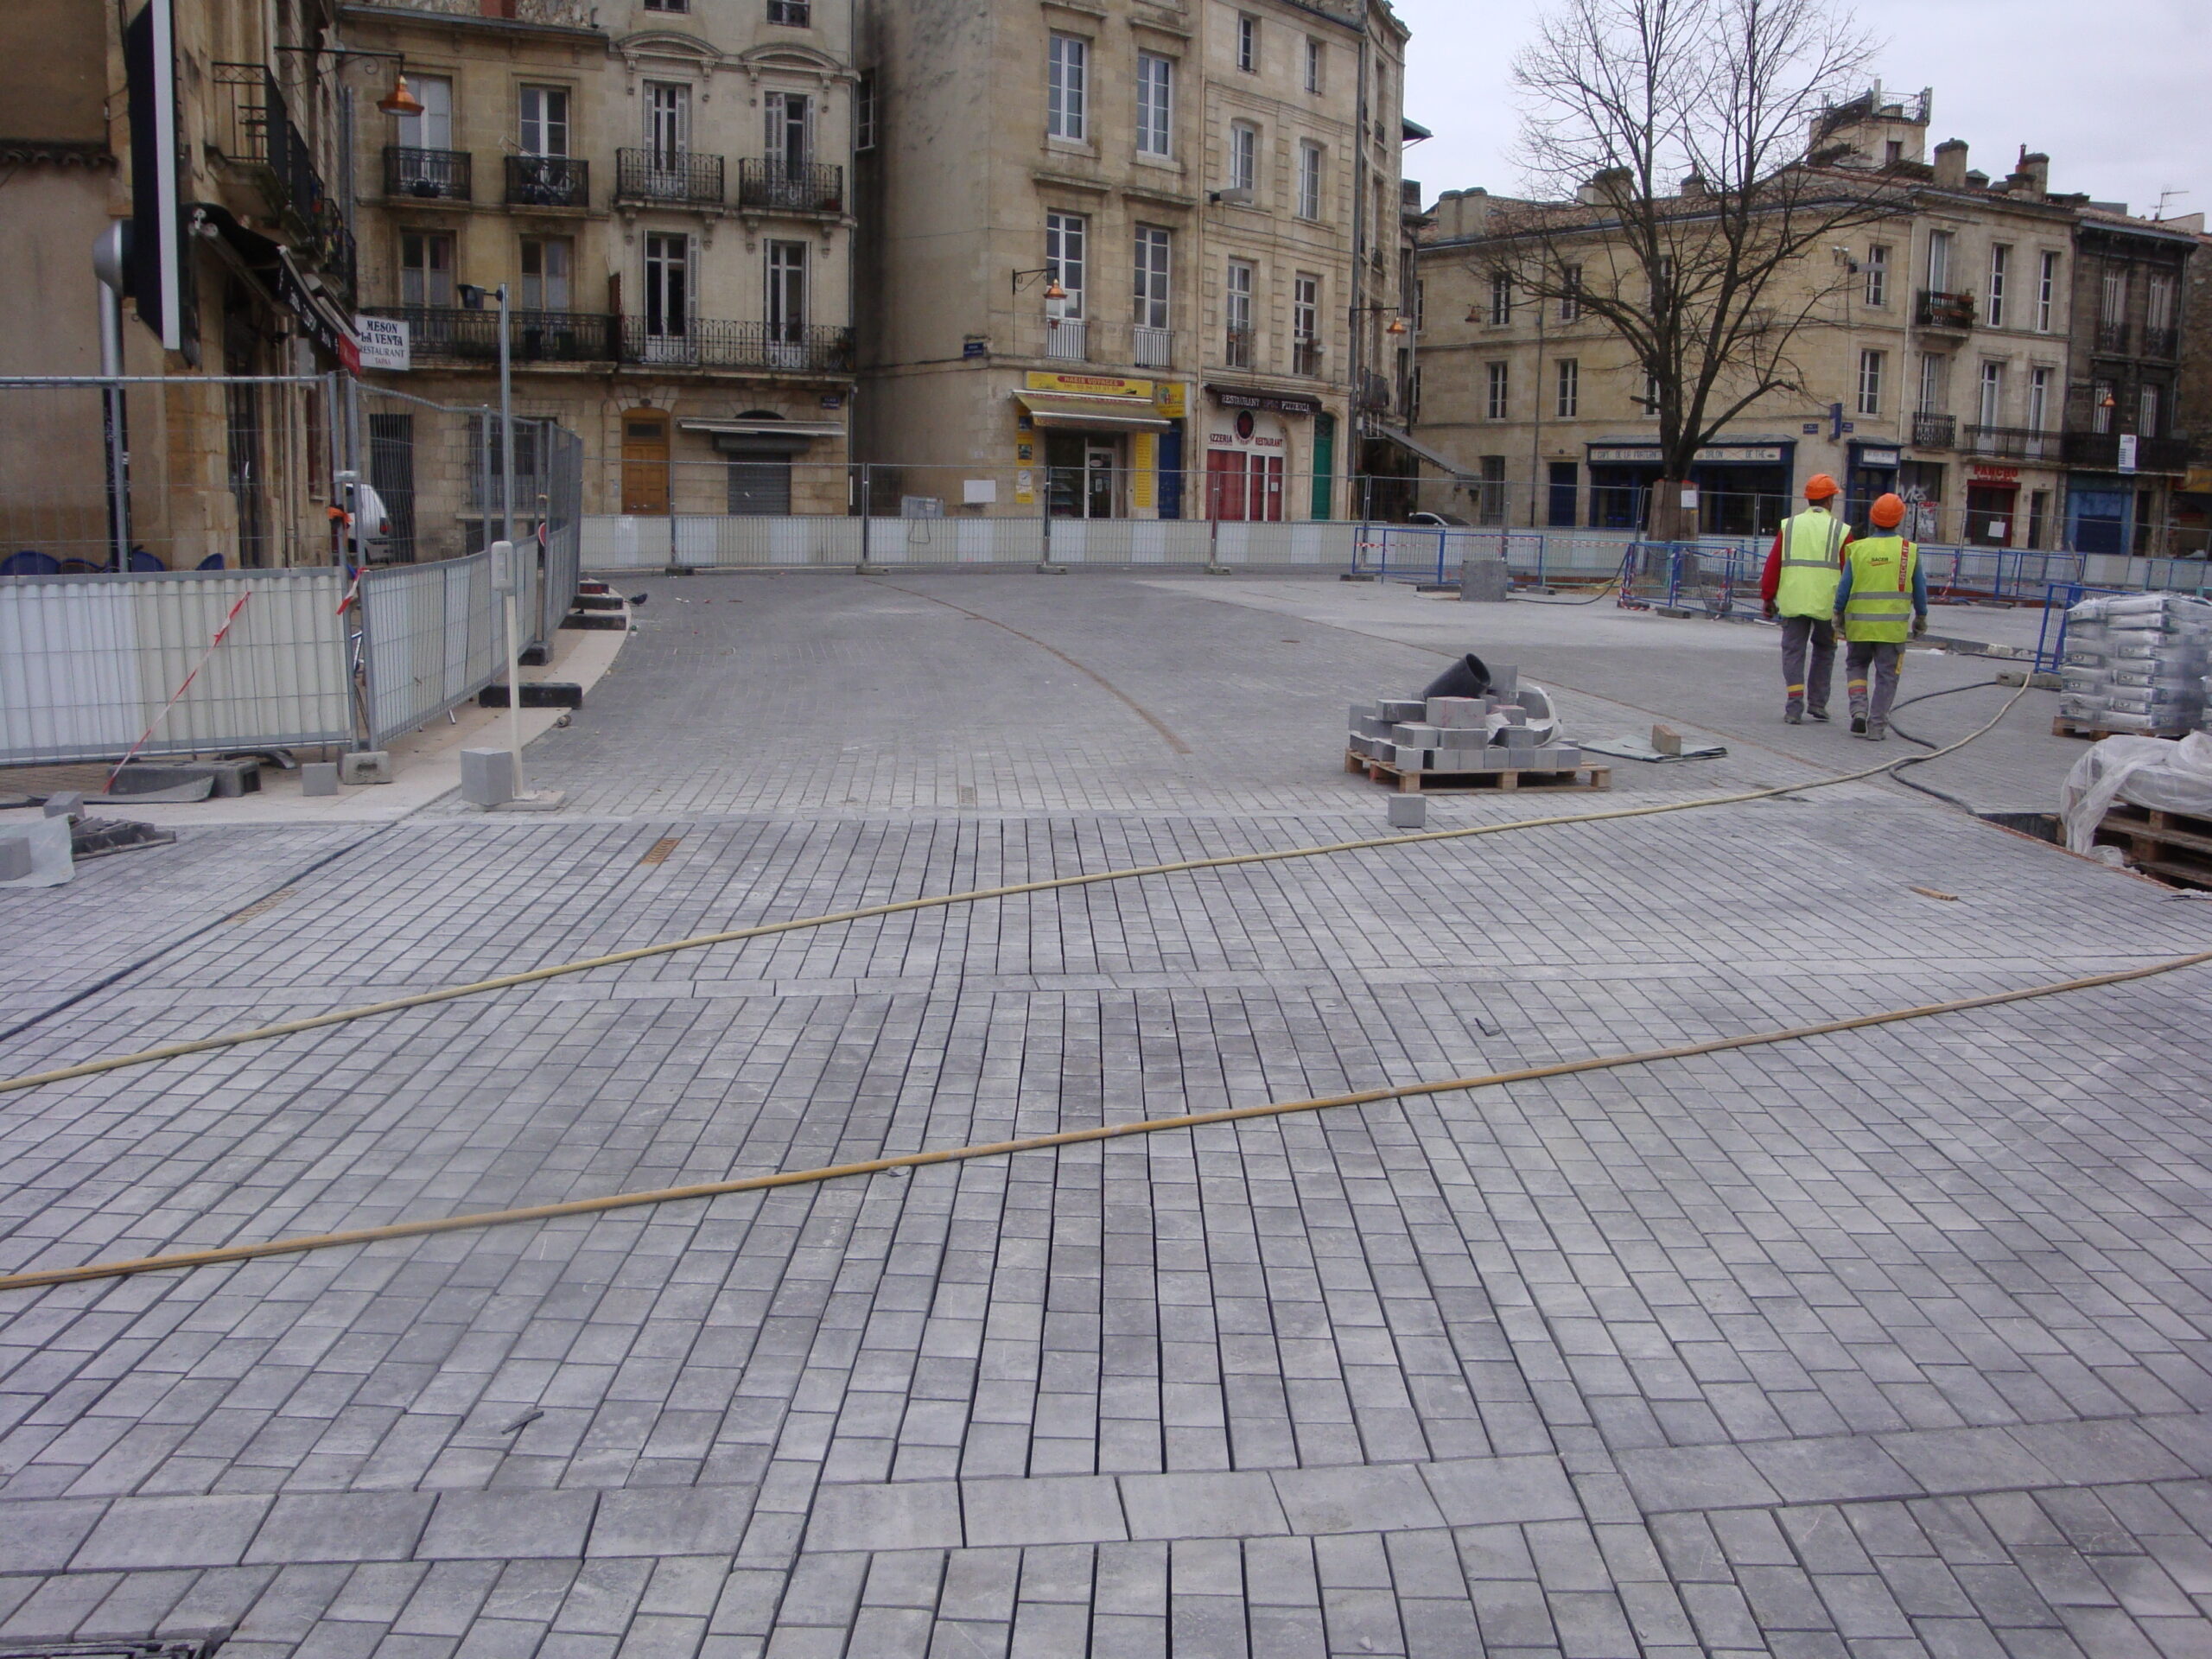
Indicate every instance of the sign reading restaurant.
{"type": "Point", "coordinates": [1651, 455]}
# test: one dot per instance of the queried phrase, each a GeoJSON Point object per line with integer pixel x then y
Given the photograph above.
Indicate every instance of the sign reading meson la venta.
{"type": "Point", "coordinates": [385, 343]}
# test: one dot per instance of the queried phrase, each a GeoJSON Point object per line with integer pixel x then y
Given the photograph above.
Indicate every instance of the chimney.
{"type": "Point", "coordinates": [1461, 214]}
{"type": "Point", "coordinates": [2032, 177]}
{"type": "Point", "coordinates": [1693, 186]}
{"type": "Point", "coordinates": [1951, 164]}
{"type": "Point", "coordinates": [1615, 184]}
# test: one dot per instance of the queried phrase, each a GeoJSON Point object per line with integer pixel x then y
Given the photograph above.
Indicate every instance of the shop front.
{"type": "Point", "coordinates": [1743, 488]}
{"type": "Point", "coordinates": [1251, 454]}
{"type": "Point", "coordinates": [1993, 504]}
{"type": "Point", "coordinates": [1099, 445]}
{"type": "Point", "coordinates": [1871, 472]}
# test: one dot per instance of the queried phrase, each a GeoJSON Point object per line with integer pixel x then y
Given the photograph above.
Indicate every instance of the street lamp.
{"type": "Point", "coordinates": [1053, 289]}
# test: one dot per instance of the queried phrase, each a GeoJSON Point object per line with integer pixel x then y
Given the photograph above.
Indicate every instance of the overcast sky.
{"type": "Point", "coordinates": [2116, 91]}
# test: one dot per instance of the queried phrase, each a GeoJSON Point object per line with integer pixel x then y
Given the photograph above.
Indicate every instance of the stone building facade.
{"type": "Point", "coordinates": [1129, 259]}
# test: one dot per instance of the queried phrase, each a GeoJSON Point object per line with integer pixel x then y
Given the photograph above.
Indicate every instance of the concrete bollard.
{"type": "Point", "coordinates": [318, 778]}
{"type": "Point", "coordinates": [1485, 582]}
{"type": "Point", "coordinates": [487, 777]}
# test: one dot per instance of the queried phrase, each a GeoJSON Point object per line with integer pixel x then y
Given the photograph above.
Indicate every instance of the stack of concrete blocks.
{"type": "Point", "coordinates": [2137, 662]}
{"type": "Point", "coordinates": [1513, 728]}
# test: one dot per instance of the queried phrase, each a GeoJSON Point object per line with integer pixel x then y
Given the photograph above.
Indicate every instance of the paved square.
{"type": "Point", "coordinates": [1892, 1342]}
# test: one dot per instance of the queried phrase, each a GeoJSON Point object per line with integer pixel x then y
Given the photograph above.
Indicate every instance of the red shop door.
{"type": "Point", "coordinates": [1227, 486]}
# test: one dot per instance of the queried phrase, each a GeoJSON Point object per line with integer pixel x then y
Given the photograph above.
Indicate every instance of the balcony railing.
{"type": "Point", "coordinates": [1305, 358]}
{"type": "Point", "coordinates": [791, 187]}
{"type": "Point", "coordinates": [462, 334]}
{"type": "Point", "coordinates": [1068, 339]}
{"type": "Point", "coordinates": [2162, 342]}
{"type": "Point", "coordinates": [1939, 309]}
{"type": "Point", "coordinates": [712, 345]}
{"type": "Point", "coordinates": [1151, 348]}
{"type": "Point", "coordinates": [254, 127]}
{"type": "Point", "coordinates": [1935, 431]}
{"type": "Point", "coordinates": [1373, 393]}
{"type": "Point", "coordinates": [2012, 443]}
{"type": "Point", "coordinates": [548, 181]}
{"type": "Point", "coordinates": [427, 174]}
{"type": "Point", "coordinates": [658, 175]}
{"type": "Point", "coordinates": [561, 14]}
{"type": "Point", "coordinates": [2100, 452]}
{"type": "Point", "coordinates": [2112, 338]}
{"type": "Point", "coordinates": [1236, 347]}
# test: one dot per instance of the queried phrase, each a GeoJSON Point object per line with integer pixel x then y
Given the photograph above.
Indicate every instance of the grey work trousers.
{"type": "Point", "coordinates": [1885, 659]}
{"type": "Point", "coordinates": [1797, 632]}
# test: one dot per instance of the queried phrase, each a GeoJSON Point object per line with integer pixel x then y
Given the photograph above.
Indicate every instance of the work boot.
{"type": "Point", "coordinates": [1876, 731]}
{"type": "Point", "coordinates": [1859, 725]}
{"type": "Point", "coordinates": [1793, 713]}
{"type": "Point", "coordinates": [1820, 714]}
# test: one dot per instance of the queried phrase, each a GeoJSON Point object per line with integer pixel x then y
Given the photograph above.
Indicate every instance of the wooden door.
{"type": "Point", "coordinates": [644, 463]}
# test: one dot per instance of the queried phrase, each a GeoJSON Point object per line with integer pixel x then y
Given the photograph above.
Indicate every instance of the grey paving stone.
{"type": "Point", "coordinates": [1695, 1477]}
{"type": "Point", "coordinates": [1072, 1511]}
{"type": "Point", "coordinates": [902, 1515]}
{"type": "Point", "coordinates": [352, 1527]}
{"type": "Point", "coordinates": [1482, 1491]}
{"type": "Point", "coordinates": [507, 1526]}
{"type": "Point", "coordinates": [1351, 1499]}
{"type": "Point", "coordinates": [1830, 1471]}
{"type": "Point", "coordinates": [137, 1533]}
{"type": "Point", "coordinates": [41, 1535]}
{"type": "Point", "coordinates": [1201, 1505]}
{"type": "Point", "coordinates": [661, 1521]}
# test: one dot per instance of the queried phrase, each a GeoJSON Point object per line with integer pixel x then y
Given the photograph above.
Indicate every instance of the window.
{"type": "Point", "coordinates": [1501, 299]}
{"type": "Point", "coordinates": [1236, 312]}
{"type": "Point", "coordinates": [791, 13]}
{"type": "Point", "coordinates": [1870, 382]}
{"type": "Point", "coordinates": [1317, 57]}
{"type": "Point", "coordinates": [787, 317]}
{"type": "Point", "coordinates": [2000, 265]}
{"type": "Point", "coordinates": [1067, 258]}
{"type": "Point", "coordinates": [864, 113]}
{"type": "Point", "coordinates": [668, 286]}
{"type": "Point", "coordinates": [1935, 384]}
{"type": "Point", "coordinates": [668, 121]}
{"type": "Point", "coordinates": [2158, 302]}
{"type": "Point", "coordinates": [1939, 261]}
{"type": "Point", "coordinates": [2112, 297]}
{"type": "Point", "coordinates": [2039, 383]}
{"type": "Point", "coordinates": [1248, 45]}
{"type": "Point", "coordinates": [433, 128]}
{"type": "Point", "coordinates": [1495, 403]}
{"type": "Point", "coordinates": [668, 6]}
{"type": "Point", "coordinates": [1568, 404]}
{"type": "Point", "coordinates": [546, 263]}
{"type": "Point", "coordinates": [1309, 180]}
{"type": "Point", "coordinates": [2102, 403]}
{"type": "Point", "coordinates": [1067, 111]}
{"type": "Point", "coordinates": [2147, 405]}
{"type": "Point", "coordinates": [1877, 275]}
{"type": "Point", "coordinates": [1893, 152]}
{"type": "Point", "coordinates": [1992, 409]}
{"type": "Point", "coordinates": [2047, 294]}
{"type": "Point", "coordinates": [1306, 324]}
{"type": "Point", "coordinates": [546, 121]}
{"type": "Point", "coordinates": [789, 135]}
{"type": "Point", "coordinates": [1155, 104]}
{"type": "Point", "coordinates": [426, 268]}
{"type": "Point", "coordinates": [1570, 301]}
{"type": "Point", "coordinates": [1244, 156]}
{"type": "Point", "coordinates": [1153, 258]}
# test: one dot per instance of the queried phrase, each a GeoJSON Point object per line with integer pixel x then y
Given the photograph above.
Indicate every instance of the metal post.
{"type": "Point", "coordinates": [1045, 496]}
{"type": "Point", "coordinates": [867, 512]}
{"type": "Point", "coordinates": [507, 460]}
{"type": "Point", "coordinates": [115, 422]}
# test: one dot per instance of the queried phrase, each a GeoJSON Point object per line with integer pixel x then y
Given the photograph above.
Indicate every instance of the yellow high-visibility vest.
{"type": "Point", "coordinates": [1812, 563]}
{"type": "Point", "coordinates": [1879, 610]}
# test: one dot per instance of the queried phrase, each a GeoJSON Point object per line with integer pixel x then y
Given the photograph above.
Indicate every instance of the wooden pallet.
{"type": "Point", "coordinates": [1411, 781]}
{"type": "Point", "coordinates": [2063, 726]}
{"type": "Point", "coordinates": [2173, 845]}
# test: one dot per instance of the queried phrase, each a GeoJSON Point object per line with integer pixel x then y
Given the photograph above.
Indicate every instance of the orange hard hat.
{"type": "Point", "coordinates": [1819, 488]}
{"type": "Point", "coordinates": [1887, 512]}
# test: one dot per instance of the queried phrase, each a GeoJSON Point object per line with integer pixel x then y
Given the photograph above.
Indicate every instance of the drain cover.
{"type": "Point", "coordinates": [197, 1647]}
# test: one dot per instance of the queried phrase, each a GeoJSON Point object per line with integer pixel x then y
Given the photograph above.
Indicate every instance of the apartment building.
{"type": "Point", "coordinates": [1936, 362]}
{"type": "Point", "coordinates": [1129, 259]}
{"type": "Point", "coordinates": [244, 268]}
{"type": "Point", "coordinates": [664, 188]}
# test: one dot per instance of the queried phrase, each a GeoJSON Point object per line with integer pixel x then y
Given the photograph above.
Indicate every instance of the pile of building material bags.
{"type": "Point", "coordinates": [2146, 771]}
{"type": "Point", "coordinates": [1509, 728]}
{"type": "Point", "coordinates": [2137, 662]}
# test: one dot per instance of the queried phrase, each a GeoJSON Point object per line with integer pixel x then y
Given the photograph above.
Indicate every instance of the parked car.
{"type": "Point", "coordinates": [1437, 520]}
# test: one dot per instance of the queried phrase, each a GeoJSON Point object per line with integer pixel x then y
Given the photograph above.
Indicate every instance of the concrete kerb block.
{"type": "Point", "coordinates": [15, 857]}
{"type": "Point", "coordinates": [365, 766]}
{"type": "Point", "coordinates": [1486, 582]}
{"type": "Point", "coordinates": [1408, 812]}
{"type": "Point", "coordinates": [70, 803]}
{"type": "Point", "coordinates": [318, 778]}
{"type": "Point", "coordinates": [487, 777]}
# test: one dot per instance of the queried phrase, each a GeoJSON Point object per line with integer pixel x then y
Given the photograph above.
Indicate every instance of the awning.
{"type": "Point", "coordinates": [1413, 445]}
{"type": "Point", "coordinates": [268, 265]}
{"type": "Point", "coordinates": [1412, 130]}
{"type": "Point", "coordinates": [765, 429]}
{"type": "Point", "coordinates": [1065, 408]}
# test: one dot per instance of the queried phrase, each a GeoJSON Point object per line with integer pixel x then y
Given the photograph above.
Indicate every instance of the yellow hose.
{"type": "Point", "coordinates": [504, 981]}
{"type": "Point", "coordinates": [1068, 1137]}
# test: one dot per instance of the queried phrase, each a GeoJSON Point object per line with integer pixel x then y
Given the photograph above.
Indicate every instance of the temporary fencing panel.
{"type": "Point", "coordinates": [88, 661]}
{"type": "Point", "coordinates": [430, 636]}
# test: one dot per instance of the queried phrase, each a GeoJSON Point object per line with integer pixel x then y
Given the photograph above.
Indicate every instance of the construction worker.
{"type": "Point", "coordinates": [1881, 600]}
{"type": "Point", "coordinates": [1799, 588]}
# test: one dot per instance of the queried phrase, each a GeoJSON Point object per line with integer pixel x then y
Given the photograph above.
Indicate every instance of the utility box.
{"type": "Point", "coordinates": [1485, 581]}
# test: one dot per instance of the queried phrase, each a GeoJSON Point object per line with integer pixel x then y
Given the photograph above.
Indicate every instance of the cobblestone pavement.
{"type": "Point", "coordinates": [1889, 1343]}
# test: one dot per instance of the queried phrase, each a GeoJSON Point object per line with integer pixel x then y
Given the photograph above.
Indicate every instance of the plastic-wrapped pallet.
{"type": "Point", "coordinates": [2137, 662]}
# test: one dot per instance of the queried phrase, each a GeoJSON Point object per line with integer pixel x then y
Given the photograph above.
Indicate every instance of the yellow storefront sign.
{"type": "Point", "coordinates": [1144, 477]}
{"type": "Point", "coordinates": [1172, 398]}
{"type": "Point", "coordinates": [1090, 385]}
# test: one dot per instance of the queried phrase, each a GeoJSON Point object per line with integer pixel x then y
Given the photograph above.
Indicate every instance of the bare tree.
{"type": "Point", "coordinates": [1684, 199]}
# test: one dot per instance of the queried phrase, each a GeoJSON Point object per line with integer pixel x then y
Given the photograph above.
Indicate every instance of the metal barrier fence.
{"type": "Point", "coordinates": [719, 542]}
{"type": "Point", "coordinates": [88, 662]}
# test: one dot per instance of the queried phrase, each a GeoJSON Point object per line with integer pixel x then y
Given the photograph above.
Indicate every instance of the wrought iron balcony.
{"type": "Point", "coordinates": [1373, 392]}
{"type": "Point", "coordinates": [2162, 342]}
{"type": "Point", "coordinates": [2012, 443]}
{"type": "Point", "coordinates": [548, 181]}
{"type": "Point", "coordinates": [455, 334]}
{"type": "Point", "coordinates": [1935, 431]}
{"type": "Point", "coordinates": [1952, 312]}
{"type": "Point", "coordinates": [1067, 338]}
{"type": "Point", "coordinates": [558, 14]}
{"type": "Point", "coordinates": [660, 175]}
{"type": "Point", "coordinates": [701, 344]}
{"type": "Point", "coordinates": [1305, 358]}
{"type": "Point", "coordinates": [791, 187]}
{"type": "Point", "coordinates": [2112, 339]}
{"type": "Point", "coordinates": [254, 128]}
{"type": "Point", "coordinates": [2100, 452]}
{"type": "Point", "coordinates": [427, 174]}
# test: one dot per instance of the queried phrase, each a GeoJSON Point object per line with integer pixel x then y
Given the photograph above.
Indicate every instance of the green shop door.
{"type": "Point", "coordinates": [1325, 466]}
